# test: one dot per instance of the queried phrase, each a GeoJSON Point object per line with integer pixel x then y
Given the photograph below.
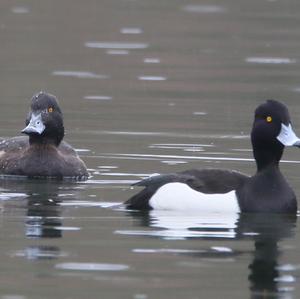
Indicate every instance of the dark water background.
{"type": "Point", "coordinates": [146, 86]}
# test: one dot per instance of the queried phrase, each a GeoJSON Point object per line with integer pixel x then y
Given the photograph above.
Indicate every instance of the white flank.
{"type": "Point", "coordinates": [179, 196]}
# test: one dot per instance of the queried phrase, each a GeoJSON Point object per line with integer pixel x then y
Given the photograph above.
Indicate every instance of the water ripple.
{"type": "Point", "coordinates": [92, 267]}
{"type": "Point", "coordinates": [66, 228]}
{"type": "Point", "coordinates": [204, 8]}
{"type": "Point", "coordinates": [152, 78]}
{"type": "Point", "coordinates": [288, 267]}
{"type": "Point", "coordinates": [12, 195]}
{"type": "Point", "coordinates": [174, 162]}
{"type": "Point", "coordinates": [270, 60]}
{"type": "Point", "coordinates": [116, 45]}
{"type": "Point", "coordinates": [126, 174]}
{"type": "Point", "coordinates": [199, 113]}
{"type": "Point", "coordinates": [40, 252]}
{"type": "Point", "coordinates": [151, 60]}
{"type": "Point", "coordinates": [159, 157]}
{"type": "Point", "coordinates": [108, 167]}
{"type": "Point", "coordinates": [221, 249]}
{"type": "Point", "coordinates": [109, 182]}
{"type": "Point", "coordinates": [170, 134]}
{"type": "Point", "coordinates": [165, 250]}
{"type": "Point", "coordinates": [177, 234]}
{"type": "Point", "coordinates": [79, 74]}
{"type": "Point", "coordinates": [117, 52]}
{"type": "Point", "coordinates": [285, 278]}
{"type": "Point", "coordinates": [181, 146]}
{"type": "Point", "coordinates": [82, 150]}
{"type": "Point", "coordinates": [131, 30]}
{"type": "Point", "coordinates": [20, 10]}
{"type": "Point", "coordinates": [82, 203]}
{"type": "Point", "coordinates": [98, 97]}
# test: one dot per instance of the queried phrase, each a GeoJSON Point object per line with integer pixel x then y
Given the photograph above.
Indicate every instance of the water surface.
{"type": "Point", "coordinates": [146, 87]}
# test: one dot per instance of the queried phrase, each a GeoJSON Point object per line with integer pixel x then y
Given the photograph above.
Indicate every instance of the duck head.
{"type": "Point", "coordinates": [44, 123]}
{"type": "Point", "coordinates": [271, 132]}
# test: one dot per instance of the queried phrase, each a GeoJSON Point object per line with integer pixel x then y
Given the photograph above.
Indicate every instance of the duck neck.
{"type": "Point", "coordinates": [43, 141]}
{"type": "Point", "coordinates": [267, 158]}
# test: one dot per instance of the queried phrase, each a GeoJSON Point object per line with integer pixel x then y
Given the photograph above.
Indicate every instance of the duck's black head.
{"type": "Point", "coordinates": [271, 131]}
{"type": "Point", "coordinates": [44, 123]}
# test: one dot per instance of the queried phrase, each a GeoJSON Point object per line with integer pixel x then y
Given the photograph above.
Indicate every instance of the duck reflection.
{"type": "Point", "coordinates": [178, 225]}
{"type": "Point", "coordinates": [43, 211]}
{"type": "Point", "coordinates": [265, 278]}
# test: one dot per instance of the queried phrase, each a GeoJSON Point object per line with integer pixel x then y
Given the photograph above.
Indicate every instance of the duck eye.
{"type": "Point", "coordinates": [269, 119]}
{"type": "Point", "coordinates": [50, 109]}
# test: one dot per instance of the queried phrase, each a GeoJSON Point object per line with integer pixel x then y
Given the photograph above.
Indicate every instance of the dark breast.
{"type": "Point", "coordinates": [267, 191]}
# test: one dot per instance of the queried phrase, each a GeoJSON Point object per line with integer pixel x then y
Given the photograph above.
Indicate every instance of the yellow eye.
{"type": "Point", "coordinates": [269, 119]}
{"type": "Point", "coordinates": [50, 109]}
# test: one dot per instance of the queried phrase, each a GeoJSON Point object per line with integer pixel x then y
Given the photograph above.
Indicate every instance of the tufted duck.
{"type": "Point", "coordinates": [216, 190]}
{"type": "Point", "coordinates": [43, 154]}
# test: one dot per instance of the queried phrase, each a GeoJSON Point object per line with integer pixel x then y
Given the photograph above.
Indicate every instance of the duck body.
{"type": "Point", "coordinates": [217, 190]}
{"type": "Point", "coordinates": [201, 181]}
{"type": "Point", "coordinates": [43, 154]}
{"type": "Point", "coordinates": [18, 157]}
